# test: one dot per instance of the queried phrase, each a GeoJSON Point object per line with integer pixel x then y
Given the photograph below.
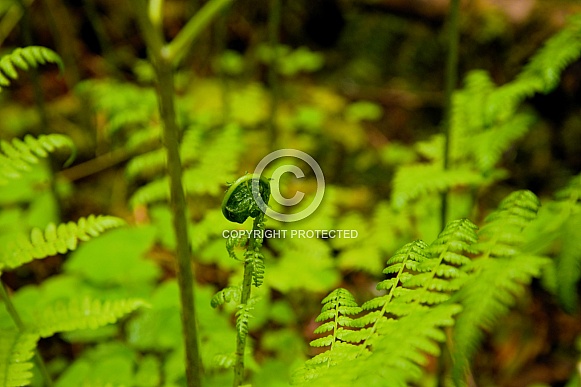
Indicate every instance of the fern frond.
{"type": "Point", "coordinates": [501, 272]}
{"type": "Point", "coordinates": [541, 74]}
{"type": "Point", "coordinates": [258, 268]}
{"type": "Point", "coordinates": [488, 146]}
{"type": "Point", "coordinates": [16, 352]}
{"type": "Point", "coordinates": [83, 313]}
{"type": "Point", "coordinates": [557, 53]}
{"type": "Point", "coordinates": [216, 164]}
{"type": "Point", "coordinates": [123, 104]}
{"type": "Point", "coordinates": [228, 294]}
{"type": "Point", "coordinates": [397, 356]}
{"type": "Point", "coordinates": [337, 307]}
{"type": "Point", "coordinates": [412, 181]}
{"type": "Point", "coordinates": [154, 162]}
{"type": "Point", "coordinates": [243, 316]}
{"type": "Point", "coordinates": [557, 232]}
{"type": "Point", "coordinates": [18, 155]}
{"type": "Point", "coordinates": [55, 239]}
{"type": "Point", "coordinates": [24, 58]}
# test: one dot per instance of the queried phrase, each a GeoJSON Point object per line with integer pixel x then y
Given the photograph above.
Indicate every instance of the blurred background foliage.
{"type": "Point", "coordinates": [357, 84]}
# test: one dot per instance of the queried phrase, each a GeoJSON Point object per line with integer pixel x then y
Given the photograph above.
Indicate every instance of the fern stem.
{"type": "Point", "coordinates": [244, 297]}
{"type": "Point", "coordinates": [175, 50]}
{"type": "Point", "coordinates": [451, 80]}
{"type": "Point", "coordinates": [373, 328]}
{"type": "Point", "coordinates": [179, 210]}
{"type": "Point", "coordinates": [273, 27]}
{"type": "Point", "coordinates": [220, 43]}
{"type": "Point", "coordinates": [171, 135]}
{"type": "Point", "coordinates": [20, 325]}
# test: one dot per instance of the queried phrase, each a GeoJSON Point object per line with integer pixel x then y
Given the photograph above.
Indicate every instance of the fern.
{"type": "Point", "coordinates": [499, 274]}
{"type": "Point", "coordinates": [124, 105]}
{"type": "Point", "coordinates": [55, 239]}
{"type": "Point", "coordinates": [83, 313]}
{"type": "Point", "coordinates": [24, 58]}
{"type": "Point", "coordinates": [18, 156]}
{"type": "Point", "coordinates": [16, 352]}
{"type": "Point", "coordinates": [416, 180]}
{"type": "Point", "coordinates": [568, 261]}
{"type": "Point", "coordinates": [408, 323]}
{"type": "Point", "coordinates": [154, 162]}
{"type": "Point", "coordinates": [228, 294]}
{"type": "Point", "coordinates": [557, 232]}
{"type": "Point", "coordinates": [486, 122]}
{"type": "Point", "coordinates": [243, 316]}
{"type": "Point", "coordinates": [337, 307]}
{"type": "Point", "coordinates": [215, 164]}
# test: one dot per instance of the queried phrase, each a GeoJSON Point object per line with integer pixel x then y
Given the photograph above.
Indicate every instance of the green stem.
{"type": "Point", "coordinates": [171, 135]}
{"type": "Point", "coordinates": [451, 80]}
{"type": "Point", "coordinates": [273, 27]}
{"type": "Point", "coordinates": [21, 327]}
{"type": "Point", "coordinates": [220, 44]}
{"type": "Point", "coordinates": [244, 297]}
{"type": "Point", "coordinates": [179, 211]}
{"type": "Point", "coordinates": [175, 50]}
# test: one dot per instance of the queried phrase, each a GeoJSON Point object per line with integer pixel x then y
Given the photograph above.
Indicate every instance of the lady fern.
{"type": "Point", "coordinates": [16, 352]}
{"type": "Point", "coordinates": [84, 313]}
{"type": "Point", "coordinates": [498, 274]}
{"type": "Point", "coordinates": [55, 239]}
{"type": "Point", "coordinates": [400, 326]}
{"type": "Point", "coordinates": [486, 122]}
{"type": "Point", "coordinates": [19, 155]}
{"type": "Point", "coordinates": [205, 172]}
{"type": "Point", "coordinates": [24, 58]}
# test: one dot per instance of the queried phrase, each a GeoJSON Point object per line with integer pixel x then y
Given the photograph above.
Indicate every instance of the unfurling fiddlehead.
{"type": "Point", "coordinates": [240, 202]}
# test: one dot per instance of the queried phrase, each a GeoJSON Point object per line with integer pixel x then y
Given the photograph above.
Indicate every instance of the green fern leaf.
{"type": "Point", "coordinates": [154, 162]}
{"type": "Point", "coordinates": [243, 316]}
{"type": "Point", "coordinates": [16, 352]}
{"type": "Point", "coordinates": [488, 146]}
{"type": "Point", "coordinates": [83, 313]}
{"type": "Point", "coordinates": [416, 180]}
{"type": "Point", "coordinates": [18, 155]}
{"type": "Point", "coordinates": [55, 239]}
{"type": "Point", "coordinates": [541, 74]}
{"type": "Point", "coordinates": [500, 274]}
{"type": "Point", "coordinates": [228, 294]}
{"type": "Point", "coordinates": [216, 164]}
{"type": "Point", "coordinates": [337, 307]}
{"type": "Point", "coordinates": [24, 58]}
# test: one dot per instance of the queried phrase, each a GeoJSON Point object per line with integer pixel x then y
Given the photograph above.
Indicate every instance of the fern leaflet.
{"type": "Point", "coordinates": [16, 352]}
{"type": "Point", "coordinates": [24, 58]}
{"type": "Point", "coordinates": [55, 239]}
{"type": "Point", "coordinates": [500, 273]}
{"type": "Point", "coordinates": [408, 323]}
{"type": "Point", "coordinates": [17, 156]}
{"type": "Point", "coordinates": [83, 313]}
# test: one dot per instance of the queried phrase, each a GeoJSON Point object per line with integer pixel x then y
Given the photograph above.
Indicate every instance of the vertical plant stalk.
{"type": "Point", "coordinates": [253, 247]}
{"type": "Point", "coordinates": [4, 296]}
{"type": "Point", "coordinates": [220, 43]}
{"type": "Point", "coordinates": [273, 28]}
{"type": "Point", "coordinates": [165, 93]}
{"type": "Point", "coordinates": [451, 80]}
